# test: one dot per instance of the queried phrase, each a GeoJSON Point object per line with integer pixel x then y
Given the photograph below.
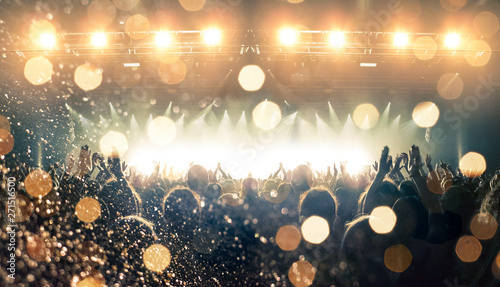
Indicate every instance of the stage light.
{"type": "Point", "coordinates": [289, 37]}
{"type": "Point", "coordinates": [99, 39]}
{"type": "Point", "coordinates": [47, 40]}
{"type": "Point", "coordinates": [212, 36]}
{"type": "Point", "coordinates": [401, 39]}
{"type": "Point", "coordinates": [163, 39]}
{"type": "Point", "coordinates": [337, 39]}
{"type": "Point", "coordinates": [452, 40]}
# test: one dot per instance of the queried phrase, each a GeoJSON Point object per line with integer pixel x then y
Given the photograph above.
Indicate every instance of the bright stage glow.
{"type": "Point", "coordinates": [212, 36]}
{"type": "Point", "coordinates": [452, 40]}
{"type": "Point", "coordinates": [99, 40]}
{"type": "Point", "coordinates": [473, 164]}
{"type": "Point", "coordinates": [47, 40]}
{"type": "Point", "coordinates": [337, 39]}
{"type": "Point", "coordinates": [162, 130]}
{"type": "Point", "coordinates": [288, 37]}
{"type": "Point", "coordinates": [251, 78]}
{"type": "Point", "coordinates": [425, 114]}
{"type": "Point", "coordinates": [365, 116]}
{"type": "Point", "coordinates": [113, 142]}
{"type": "Point", "coordinates": [401, 39]}
{"type": "Point", "coordinates": [266, 115]}
{"type": "Point", "coordinates": [163, 39]}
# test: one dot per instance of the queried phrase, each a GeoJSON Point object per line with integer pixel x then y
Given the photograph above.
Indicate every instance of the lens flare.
{"type": "Point", "coordinates": [212, 36]}
{"type": "Point", "coordinates": [288, 37]}
{"type": "Point", "coordinates": [88, 210]}
{"type": "Point", "coordinates": [38, 71]}
{"type": "Point", "coordinates": [301, 274]}
{"type": "Point", "coordinates": [88, 77]}
{"type": "Point", "coordinates": [450, 86]}
{"type": "Point", "coordinates": [162, 131]}
{"type": "Point", "coordinates": [192, 5]}
{"type": "Point", "coordinates": [365, 116]}
{"type": "Point", "coordinates": [452, 40]}
{"type": "Point", "coordinates": [337, 39]}
{"type": "Point", "coordinates": [156, 258]}
{"type": "Point", "coordinates": [397, 258]}
{"type": "Point", "coordinates": [478, 53]}
{"type": "Point", "coordinates": [251, 78]}
{"type": "Point", "coordinates": [472, 164]}
{"type": "Point", "coordinates": [425, 114]}
{"type": "Point", "coordinates": [288, 238]}
{"type": "Point", "coordinates": [99, 40]}
{"type": "Point", "coordinates": [382, 219]}
{"type": "Point", "coordinates": [485, 24]}
{"type": "Point", "coordinates": [6, 142]}
{"type": "Point", "coordinates": [468, 248]}
{"type": "Point", "coordinates": [401, 39]}
{"type": "Point", "coordinates": [424, 48]}
{"type": "Point", "coordinates": [266, 115]}
{"type": "Point", "coordinates": [315, 229]}
{"type": "Point", "coordinates": [137, 26]}
{"type": "Point", "coordinates": [113, 142]}
{"type": "Point", "coordinates": [163, 39]}
{"type": "Point", "coordinates": [38, 183]}
{"type": "Point", "coordinates": [483, 226]}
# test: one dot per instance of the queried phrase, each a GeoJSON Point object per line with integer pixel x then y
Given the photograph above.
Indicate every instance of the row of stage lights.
{"type": "Point", "coordinates": [287, 37]}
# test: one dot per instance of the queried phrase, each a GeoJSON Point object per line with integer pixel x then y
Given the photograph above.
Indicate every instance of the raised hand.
{"type": "Point", "coordinates": [385, 161]}
{"type": "Point", "coordinates": [415, 160]}
{"type": "Point", "coordinates": [428, 162]}
{"type": "Point", "coordinates": [375, 166]}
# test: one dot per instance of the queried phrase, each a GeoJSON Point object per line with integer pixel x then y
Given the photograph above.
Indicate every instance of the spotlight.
{"type": "Point", "coordinates": [163, 39]}
{"type": "Point", "coordinates": [452, 40]}
{"type": "Point", "coordinates": [337, 39]}
{"type": "Point", "coordinates": [47, 40]}
{"type": "Point", "coordinates": [99, 39]}
{"type": "Point", "coordinates": [212, 36]}
{"type": "Point", "coordinates": [400, 39]}
{"type": "Point", "coordinates": [288, 37]}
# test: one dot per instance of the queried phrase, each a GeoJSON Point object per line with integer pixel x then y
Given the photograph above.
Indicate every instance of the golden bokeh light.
{"type": "Point", "coordinates": [315, 229]}
{"type": "Point", "coordinates": [251, 78]}
{"type": "Point", "coordinates": [401, 40]}
{"type": "Point", "coordinates": [231, 199]}
{"type": "Point", "coordinates": [113, 141]}
{"type": "Point", "coordinates": [88, 76]}
{"type": "Point", "coordinates": [288, 237]}
{"type": "Point", "coordinates": [212, 36]}
{"type": "Point", "coordinates": [301, 274]}
{"type": "Point", "coordinates": [472, 164]}
{"type": "Point", "coordinates": [450, 86]}
{"type": "Point", "coordinates": [425, 114]}
{"type": "Point", "coordinates": [483, 226]}
{"type": "Point", "coordinates": [468, 248]}
{"type": "Point", "coordinates": [424, 48]}
{"type": "Point", "coordinates": [288, 37]}
{"type": "Point", "coordinates": [409, 10]}
{"type": "Point", "coordinates": [92, 281]}
{"type": "Point", "coordinates": [38, 183]}
{"type": "Point", "coordinates": [125, 5]}
{"type": "Point", "coordinates": [38, 248]}
{"type": "Point", "coordinates": [397, 258]}
{"type": "Point", "coordinates": [453, 5]}
{"type": "Point", "coordinates": [162, 130]}
{"type": "Point", "coordinates": [337, 39]}
{"type": "Point", "coordinates": [90, 252]}
{"type": "Point", "coordinates": [365, 116]}
{"type": "Point", "coordinates": [266, 115]}
{"type": "Point", "coordinates": [101, 13]}
{"type": "Point", "coordinates": [88, 209]}
{"type": "Point", "coordinates": [163, 39]}
{"type": "Point", "coordinates": [156, 258]}
{"type": "Point", "coordinates": [485, 24]}
{"type": "Point", "coordinates": [478, 53]}
{"type": "Point", "coordinates": [382, 219]}
{"type": "Point", "coordinates": [126, 77]}
{"type": "Point", "coordinates": [47, 40]}
{"type": "Point", "coordinates": [277, 194]}
{"type": "Point", "coordinates": [173, 72]}
{"type": "Point", "coordinates": [99, 39]}
{"type": "Point", "coordinates": [6, 142]}
{"type": "Point", "coordinates": [4, 123]}
{"type": "Point", "coordinates": [38, 71]}
{"type": "Point", "coordinates": [452, 40]}
{"type": "Point", "coordinates": [192, 5]}
{"type": "Point", "coordinates": [23, 208]}
{"type": "Point", "coordinates": [137, 26]}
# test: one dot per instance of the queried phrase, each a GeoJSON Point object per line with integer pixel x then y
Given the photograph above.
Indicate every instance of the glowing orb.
{"type": "Point", "coordinates": [137, 26]}
{"type": "Point", "coordinates": [365, 116]}
{"type": "Point", "coordinates": [4, 123]}
{"type": "Point", "coordinates": [424, 48]}
{"type": "Point", "coordinates": [192, 5]}
{"type": "Point", "coordinates": [478, 53]}
{"type": "Point", "coordinates": [88, 77]}
{"type": "Point", "coordinates": [251, 78]}
{"type": "Point", "coordinates": [125, 5]}
{"type": "Point", "coordinates": [162, 130]}
{"type": "Point", "coordinates": [472, 164]}
{"type": "Point", "coordinates": [468, 248]}
{"type": "Point", "coordinates": [288, 37]}
{"type": "Point", "coordinates": [88, 210]}
{"type": "Point", "coordinates": [450, 86]}
{"type": "Point", "coordinates": [38, 249]}
{"type": "Point", "coordinates": [483, 226]}
{"type": "Point", "coordinates": [485, 24]}
{"type": "Point", "coordinates": [6, 142]}
{"type": "Point", "coordinates": [212, 36]}
{"type": "Point", "coordinates": [38, 71]}
{"type": "Point", "coordinates": [397, 258]}
{"type": "Point", "coordinates": [425, 114]}
{"type": "Point", "coordinates": [156, 258]}
{"type": "Point", "coordinates": [453, 5]}
{"type": "Point", "coordinates": [113, 142]}
{"type": "Point", "coordinates": [172, 72]}
{"type": "Point", "coordinates": [92, 281]}
{"type": "Point", "coordinates": [301, 274]}
{"type": "Point", "coordinates": [315, 229]}
{"type": "Point", "coordinates": [101, 13]}
{"type": "Point", "coordinates": [266, 115]}
{"type": "Point", "coordinates": [382, 219]}
{"type": "Point", "coordinates": [288, 237]}
{"type": "Point", "coordinates": [38, 183]}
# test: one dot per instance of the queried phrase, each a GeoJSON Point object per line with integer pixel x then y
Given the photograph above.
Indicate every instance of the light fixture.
{"type": "Point", "coordinates": [99, 39]}
{"type": "Point", "coordinates": [288, 37]}
{"type": "Point", "coordinates": [368, 65]}
{"type": "Point", "coordinates": [337, 39]}
{"type": "Point", "coordinates": [212, 36]}
{"type": "Point", "coordinates": [452, 40]}
{"type": "Point", "coordinates": [401, 39]}
{"type": "Point", "coordinates": [163, 39]}
{"type": "Point", "coordinates": [47, 40]}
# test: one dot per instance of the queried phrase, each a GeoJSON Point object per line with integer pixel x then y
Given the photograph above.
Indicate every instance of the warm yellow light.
{"type": "Point", "coordinates": [315, 229]}
{"type": "Point", "coordinates": [382, 219]}
{"type": "Point", "coordinates": [289, 37]}
{"type": "Point", "coordinates": [401, 39]}
{"type": "Point", "coordinates": [337, 39]}
{"type": "Point", "coordinates": [212, 36]}
{"type": "Point", "coordinates": [452, 40]}
{"type": "Point", "coordinates": [99, 39]}
{"type": "Point", "coordinates": [425, 114]}
{"type": "Point", "coordinates": [163, 39]}
{"type": "Point", "coordinates": [47, 40]}
{"type": "Point", "coordinates": [157, 258]}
